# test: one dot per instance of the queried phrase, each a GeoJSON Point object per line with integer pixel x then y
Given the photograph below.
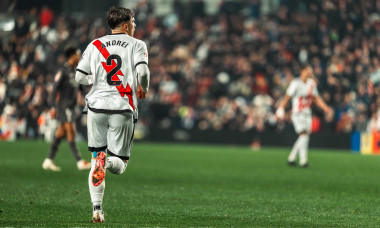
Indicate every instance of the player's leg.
{"type": "Point", "coordinates": [298, 127]}
{"type": "Point", "coordinates": [48, 163]}
{"type": "Point", "coordinates": [70, 135]}
{"type": "Point", "coordinates": [305, 136]}
{"type": "Point", "coordinates": [97, 125]}
{"type": "Point", "coordinates": [293, 153]}
{"type": "Point", "coordinates": [96, 186]}
{"type": "Point", "coordinates": [120, 141]}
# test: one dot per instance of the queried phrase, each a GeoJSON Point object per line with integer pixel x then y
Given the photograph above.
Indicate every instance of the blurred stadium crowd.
{"type": "Point", "coordinates": [223, 71]}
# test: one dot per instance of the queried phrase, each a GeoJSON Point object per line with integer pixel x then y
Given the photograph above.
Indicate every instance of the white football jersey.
{"type": "Point", "coordinates": [112, 59]}
{"type": "Point", "coordinates": [302, 94]}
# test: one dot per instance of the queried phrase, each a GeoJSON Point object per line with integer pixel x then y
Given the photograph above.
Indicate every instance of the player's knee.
{"type": "Point", "coordinates": [60, 132]}
{"type": "Point", "coordinates": [71, 136]}
{"type": "Point", "coordinates": [70, 132]}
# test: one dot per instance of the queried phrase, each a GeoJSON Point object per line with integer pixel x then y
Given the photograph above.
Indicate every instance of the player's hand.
{"type": "Point", "coordinates": [280, 113]}
{"type": "Point", "coordinates": [329, 114]}
{"type": "Point", "coordinates": [140, 92]}
{"type": "Point", "coordinates": [53, 113]}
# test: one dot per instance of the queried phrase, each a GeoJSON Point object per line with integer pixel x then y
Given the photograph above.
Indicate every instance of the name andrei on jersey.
{"type": "Point", "coordinates": [115, 42]}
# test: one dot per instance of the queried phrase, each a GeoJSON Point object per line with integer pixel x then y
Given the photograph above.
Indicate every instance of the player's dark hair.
{"type": "Point", "coordinates": [69, 51]}
{"type": "Point", "coordinates": [117, 15]}
{"type": "Point", "coordinates": [303, 66]}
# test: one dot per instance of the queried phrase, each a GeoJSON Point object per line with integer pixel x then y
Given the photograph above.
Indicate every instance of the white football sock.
{"type": "Point", "coordinates": [96, 192]}
{"type": "Point", "coordinates": [304, 149]}
{"type": "Point", "coordinates": [295, 149]}
{"type": "Point", "coordinates": [116, 165]}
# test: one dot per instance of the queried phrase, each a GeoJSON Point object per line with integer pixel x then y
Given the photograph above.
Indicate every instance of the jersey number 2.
{"type": "Point", "coordinates": [113, 70]}
{"type": "Point", "coordinates": [304, 102]}
{"type": "Point", "coordinates": [112, 78]}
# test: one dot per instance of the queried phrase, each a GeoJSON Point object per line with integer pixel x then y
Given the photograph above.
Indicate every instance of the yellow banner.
{"type": "Point", "coordinates": [366, 143]}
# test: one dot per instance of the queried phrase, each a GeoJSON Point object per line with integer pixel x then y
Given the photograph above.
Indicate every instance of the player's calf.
{"type": "Point", "coordinates": [99, 171]}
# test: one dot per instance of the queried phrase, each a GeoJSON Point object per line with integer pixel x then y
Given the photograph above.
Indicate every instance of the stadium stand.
{"type": "Point", "coordinates": [211, 72]}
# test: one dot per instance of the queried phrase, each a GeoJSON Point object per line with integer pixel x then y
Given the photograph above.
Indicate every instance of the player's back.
{"type": "Point", "coordinates": [112, 59]}
{"type": "Point", "coordinates": [66, 87]}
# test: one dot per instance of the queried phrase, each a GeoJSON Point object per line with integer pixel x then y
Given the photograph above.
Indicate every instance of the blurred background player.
{"type": "Point", "coordinates": [64, 98]}
{"type": "Point", "coordinates": [117, 63]}
{"type": "Point", "coordinates": [303, 92]}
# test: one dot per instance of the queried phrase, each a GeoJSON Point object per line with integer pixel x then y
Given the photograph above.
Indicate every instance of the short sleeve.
{"type": "Point", "coordinates": [141, 54]}
{"type": "Point", "coordinates": [291, 91]}
{"type": "Point", "coordinates": [315, 92]}
{"type": "Point", "coordinates": [84, 63]}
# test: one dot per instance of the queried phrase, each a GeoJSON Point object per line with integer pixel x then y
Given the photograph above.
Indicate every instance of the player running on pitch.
{"type": "Point", "coordinates": [303, 91]}
{"type": "Point", "coordinates": [117, 65]}
{"type": "Point", "coordinates": [66, 86]}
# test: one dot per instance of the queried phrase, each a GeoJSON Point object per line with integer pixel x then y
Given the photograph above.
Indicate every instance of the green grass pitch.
{"type": "Point", "coordinates": [170, 185]}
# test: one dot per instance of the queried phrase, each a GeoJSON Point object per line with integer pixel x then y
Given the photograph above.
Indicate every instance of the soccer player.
{"type": "Point", "coordinates": [64, 97]}
{"type": "Point", "coordinates": [117, 65]}
{"type": "Point", "coordinates": [303, 92]}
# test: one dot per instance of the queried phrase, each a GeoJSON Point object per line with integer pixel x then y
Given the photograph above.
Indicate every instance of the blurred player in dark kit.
{"type": "Point", "coordinates": [63, 100]}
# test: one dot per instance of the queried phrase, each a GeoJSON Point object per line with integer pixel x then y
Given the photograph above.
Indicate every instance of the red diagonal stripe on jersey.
{"type": "Point", "coordinates": [103, 50]}
{"type": "Point", "coordinates": [126, 91]}
{"type": "Point", "coordinates": [123, 91]}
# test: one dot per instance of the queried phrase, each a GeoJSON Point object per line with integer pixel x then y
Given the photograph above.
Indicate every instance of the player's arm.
{"type": "Point", "coordinates": [322, 105]}
{"type": "Point", "coordinates": [83, 78]}
{"type": "Point", "coordinates": [82, 75]}
{"type": "Point", "coordinates": [58, 82]}
{"type": "Point", "coordinates": [143, 74]}
{"type": "Point", "coordinates": [284, 102]}
{"type": "Point", "coordinates": [280, 113]}
{"type": "Point", "coordinates": [141, 64]}
{"type": "Point", "coordinates": [290, 92]}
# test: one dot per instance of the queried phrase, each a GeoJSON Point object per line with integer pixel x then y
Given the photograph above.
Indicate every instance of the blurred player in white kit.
{"type": "Point", "coordinates": [117, 66]}
{"type": "Point", "coordinates": [303, 92]}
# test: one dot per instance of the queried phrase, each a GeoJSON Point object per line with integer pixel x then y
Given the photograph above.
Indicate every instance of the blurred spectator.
{"type": "Point", "coordinates": [46, 16]}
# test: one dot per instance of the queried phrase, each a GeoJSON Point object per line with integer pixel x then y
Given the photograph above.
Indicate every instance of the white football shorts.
{"type": "Point", "coordinates": [111, 131]}
{"type": "Point", "coordinates": [301, 122]}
